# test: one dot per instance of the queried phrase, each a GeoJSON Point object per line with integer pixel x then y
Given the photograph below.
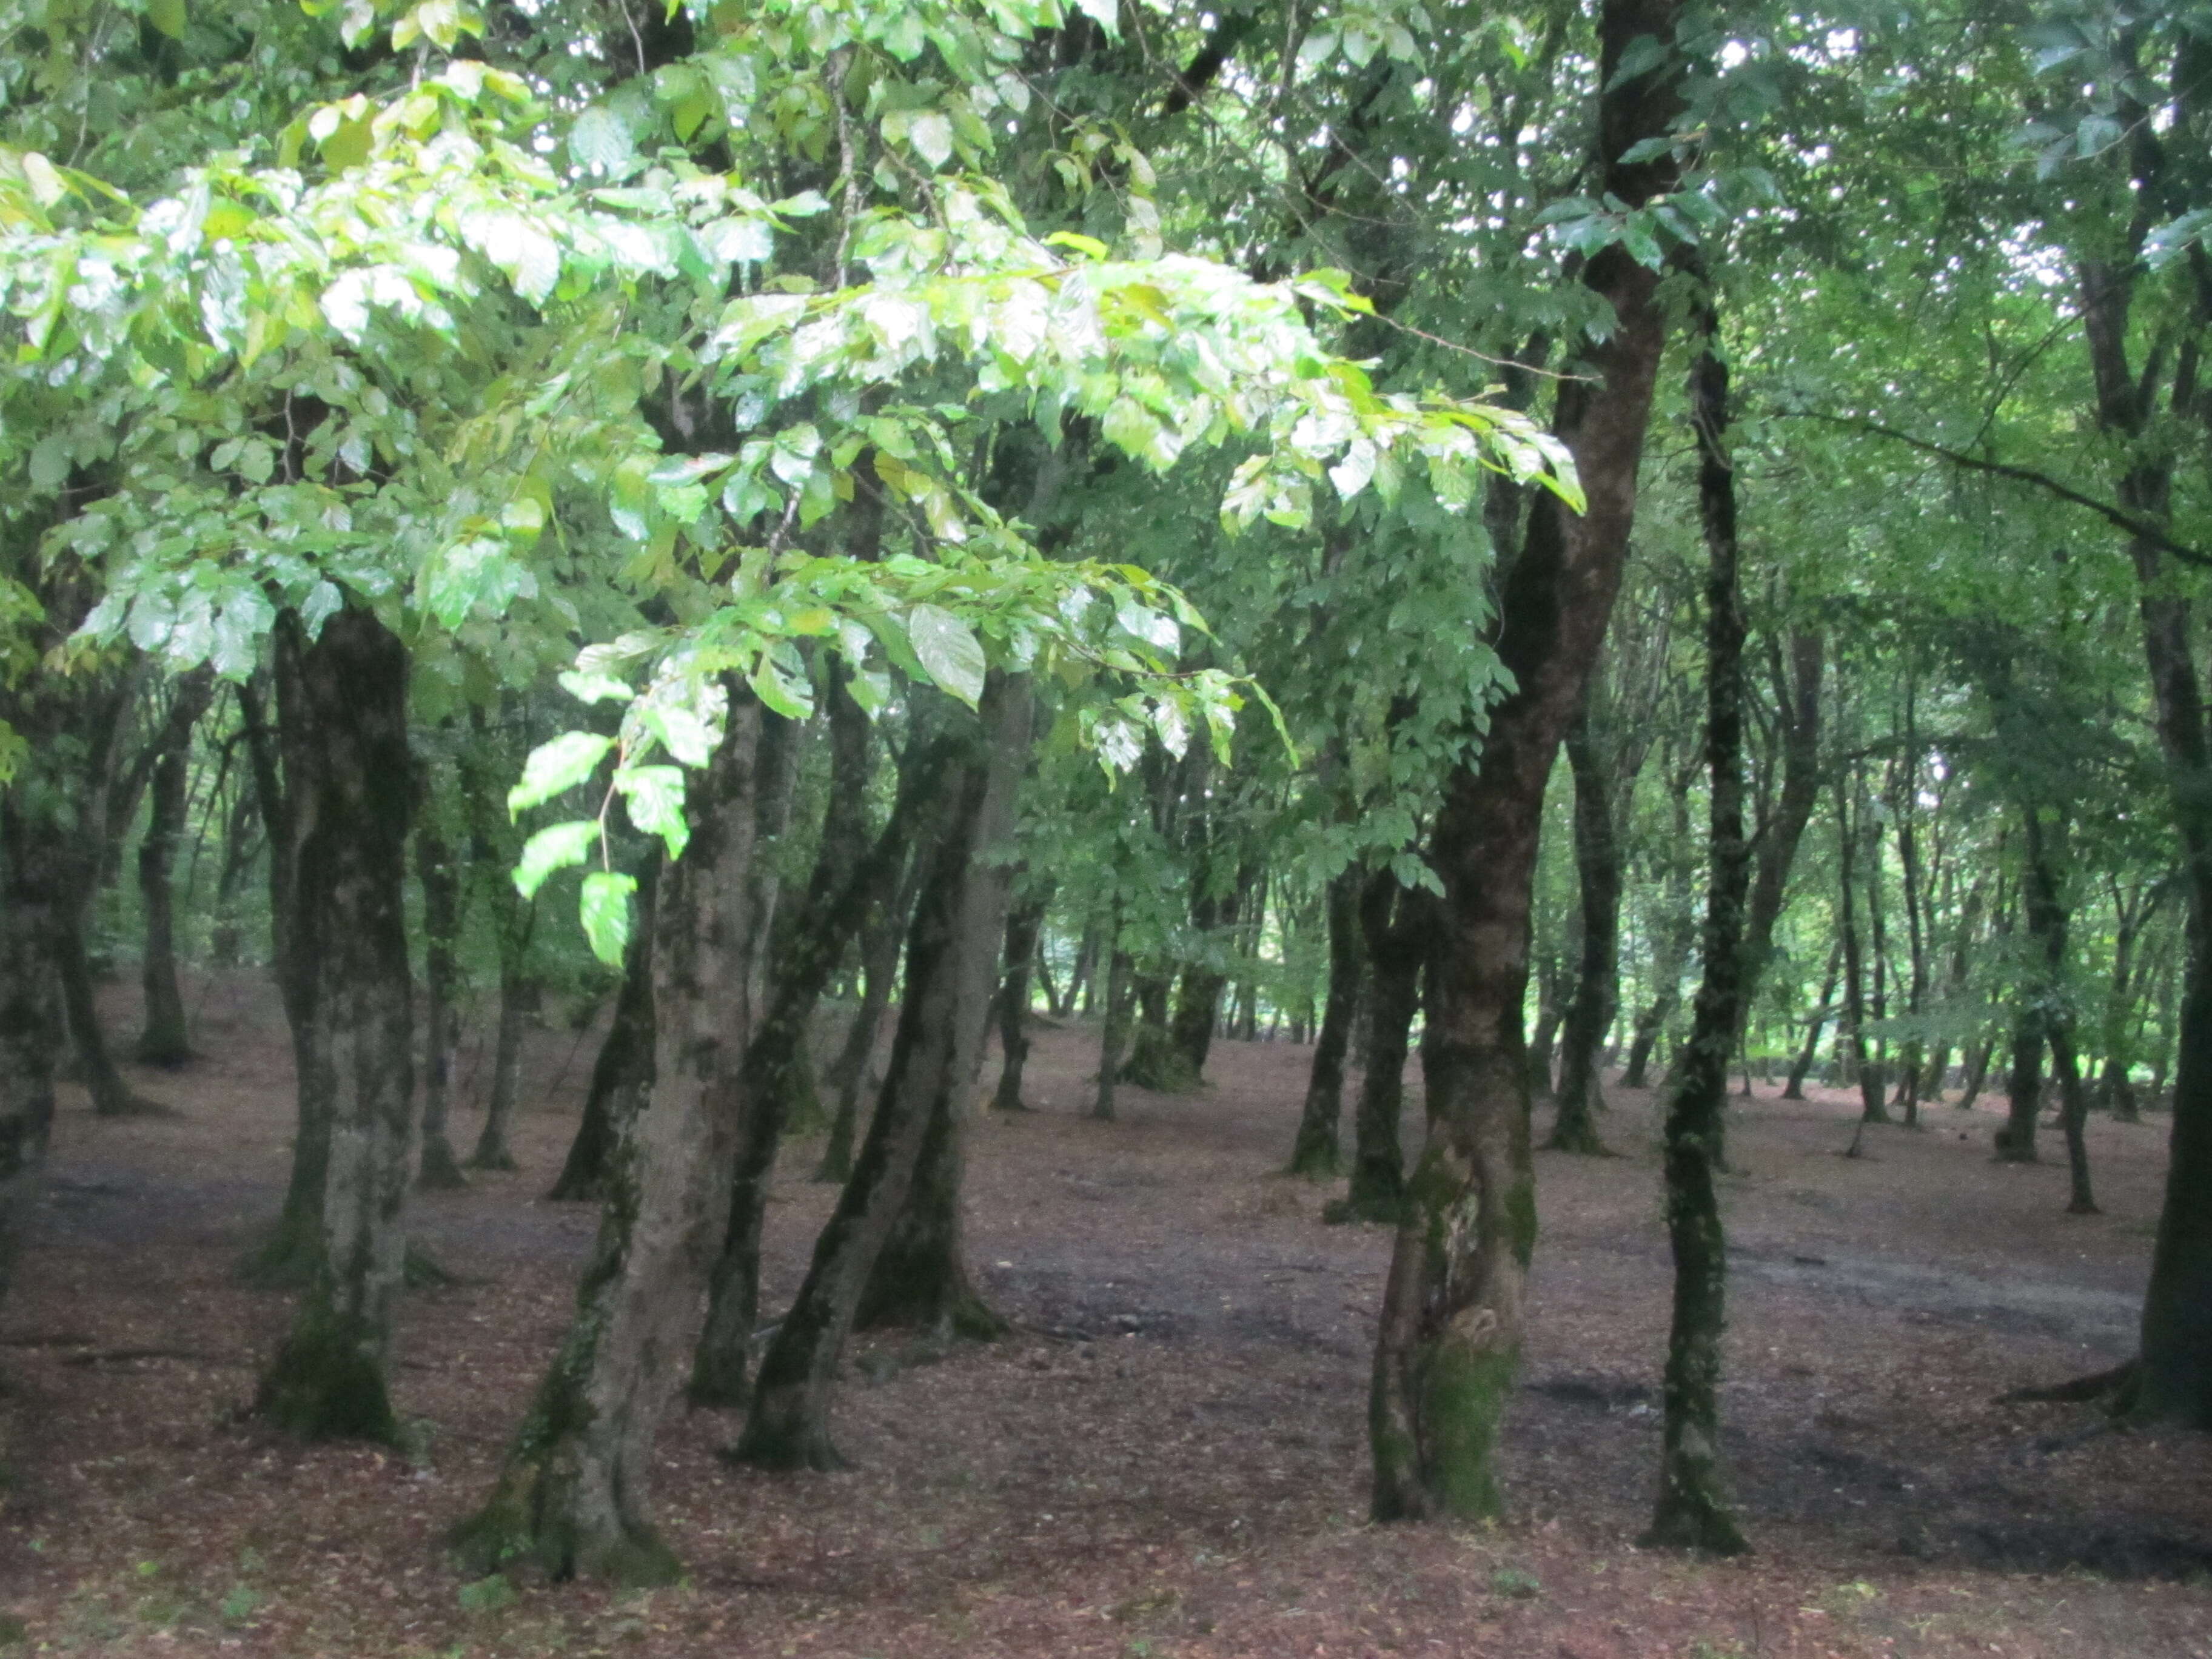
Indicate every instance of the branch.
{"type": "Point", "coordinates": [2141, 528]}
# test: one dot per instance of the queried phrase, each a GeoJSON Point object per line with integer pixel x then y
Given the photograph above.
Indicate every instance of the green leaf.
{"type": "Point", "coordinates": [563, 763]}
{"type": "Point", "coordinates": [604, 909]}
{"type": "Point", "coordinates": [654, 797]}
{"type": "Point", "coordinates": [50, 461]}
{"type": "Point", "coordinates": [557, 847]}
{"type": "Point", "coordinates": [601, 139]}
{"type": "Point", "coordinates": [1104, 13]}
{"type": "Point", "coordinates": [948, 651]}
{"type": "Point", "coordinates": [930, 133]}
{"type": "Point", "coordinates": [169, 16]}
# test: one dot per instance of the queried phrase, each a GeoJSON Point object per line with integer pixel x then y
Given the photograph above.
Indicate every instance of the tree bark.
{"type": "Point", "coordinates": [1451, 1334]}
{"type": "Point", "coordinates": [438, 1169]}
{"type": "Point", "coordinates": [1024, 922]}
{"type": "Point", "coordinates": [574, 1495]}
{"type": "Point", "coordinates": [352, 799]}
{"type": "Point", "coordinates": [1797, 701]}
{"type": "Point", "coordinates": [1795, 1089]}
{"type": "Point", "coordinates": [880, 943]}
{"type": "Point", "coordinates": [1693, 1512]}
{"type": "Point", "coordinates": [1114, 1030]}
{"type": "Point", "coordinates": [165, 1042]}
{"type": "Point", "coordinates": [1397, 927]}
{"type": "Point", "coordinates": [1673, 953]}
{"type": "Point", "coordinates": [951, 952]}
{"type": "Point", "coordinates": [1318, 1150]}
{"type": "Point", "coordinates": [621, 1077]}
{"type": "Point", "coordinates": [1596, 995]}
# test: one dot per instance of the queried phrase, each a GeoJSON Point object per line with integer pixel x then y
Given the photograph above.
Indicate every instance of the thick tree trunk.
{"type": "Point", "coordinates": [2015, 1142]}
{"type": "Point", "coordinates": [1318, 1150]}
{"type": "Point", "coordinates": [1451, 1333]}
{"type": "Point", "coordinates": [573, 1496]}
{"type": "Point", "coordinates": [1596, 993]}
{"type": "Point", "coordinates": [438, 1169]}
{"type": "Point", "coordinates": [621, 1077]}
{"type": "Point", "coordinates": [165, 1042]}
{"type": "Point", "coordinates": [352, 802]}
{"type": "Point", "coordinates": [1693, 1512]}
{"type": "Point", "coordinates": [950, 953]}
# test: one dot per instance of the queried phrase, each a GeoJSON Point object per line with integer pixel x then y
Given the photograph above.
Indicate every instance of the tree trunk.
{"type": "Point", "coordinates": [281, 758]}
{"type": "Point", "coordinates": [848, 875]}
{"type": "Point", "coordinates": [1853, 1025]}
{"type": "Point", "coordinates": [1693, 1512]}
{"type": "Point", "coordinates": [111, 1095]}
{"type": "Point", "coordinates": [621, 1077]}
{"type": "Point", "coordinates": [518, 1006]}
{"type": "Point", "coordinates": [574, 1494]}
{"type": "Point", "coordinates": [165, 1041]}
{"type": "Point", "coordinates": [1024, 922]}
{"type": "Point", "coordinates": [1797, 701]}
{"type": "Point", "coordinates": [351, 794]}
{"type": "Point", "coordinates": [1113, 1033]}
{"type": "Point", "coordinates": [950, 954]}
{"type": "Point", "coordinates": [438, 1169]}
{"type": "Point", "coordinates": [1673, 953]}
{"type": "Point", "coordinates": [892, 907]}
{"type": "Point", "coordinates": [1795, 1089]}
{"type": "Point", "coordinates": [1397, 927]}
{"type": "Point", "coordinates": [1597, 978]}
{"type": "Point", "coordinates": [1317, 1150]}
{"type": "Point", "coordinates": [1977, 1072]}
{"type": "Point", "coordinates": [1451, 1332]}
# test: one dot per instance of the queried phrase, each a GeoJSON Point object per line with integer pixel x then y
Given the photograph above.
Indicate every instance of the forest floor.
{"type": "Point", "coordinates": [1169, 1456]}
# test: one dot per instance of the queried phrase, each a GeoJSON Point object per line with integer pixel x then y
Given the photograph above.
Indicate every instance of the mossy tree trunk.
{"type": "Point", "coordinates": [1451, 1326]}
{"type": "Point", "coordinates": [1318, 1150]}
{"type": "Point", "coordinates": [164, 1040]}
{"type": "Point", "coordinates": [353, 801]}
{"type": "Point", "coordinates": [575, 1494]}
{"type": "Point", "coordinates": [437, 1168]}
{"type": "Point", "coordinates": [622, 1076]}
{"type": "Point", "coordinates": [1693, 1512]}
{"type": "Point", "coordinates": [951, 952]}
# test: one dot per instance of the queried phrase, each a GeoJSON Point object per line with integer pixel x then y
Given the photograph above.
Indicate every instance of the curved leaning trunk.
{"type": "Point", "coordinates": [351, 804]}
{"type": "Point", "coordinates": [165, 1041]}
{"type": "Point", "coordinates": [1450, 1334]}
{"type": "Point", "coordinates": [1591, 1008]}
{"type": "Point", "coordinates": [1317, 1150]}
{"type": "Point", "coordinates": [950, 953]}
{"type": "Point", "coordinates": [573, 1496]}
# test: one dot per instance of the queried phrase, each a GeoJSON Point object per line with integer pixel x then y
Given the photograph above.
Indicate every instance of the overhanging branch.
{"type": "Point", "coordinates": [2143, 529]}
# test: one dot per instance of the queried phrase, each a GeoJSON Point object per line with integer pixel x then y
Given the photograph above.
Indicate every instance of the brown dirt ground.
{"type": "Point", "coordinates": [1168, 1457]}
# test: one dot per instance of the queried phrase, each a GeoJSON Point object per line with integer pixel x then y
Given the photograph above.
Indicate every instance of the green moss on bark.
{"type": "Point", "coordinates": [327, 1383]}
{"type": "Point", "coordinates": [1465, 1396]}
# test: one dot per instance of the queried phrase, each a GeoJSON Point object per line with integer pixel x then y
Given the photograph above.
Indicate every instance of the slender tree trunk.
{"type": "Point", "coordinates": [1874, 1076]}
{"type": "Point", "coordinates": [438, 1169]}
{"type": "Point", "coordinates": [1317, 1150]}
{"type": "Point", "coordinates": [1795, 1089]}
{"type": "Point", "coordinates": [352, 802]}
{"type": "Point", "coordinates": [284, 760]}
{"type": "Point", "coordinates": [165, 1041]}
{"type": "Point", "coordinates": [1853, 1028]}
{"type": "Point", "coordinates": [621, 1077]}
{"type": "Point", "coordinates": [111, 1095]}
{"type": "Point", "coordinates": [1671, 957]}
{"type": "Point", "coordinates": [848, 874]}
{"type": "Point", "coordinates": [950, 955]}
{"type": "Point", "coordinates": [574, 1495]}
{"type": "Point", "coordinates": [1024, 922]}
{"type": "Point", "coordinates": [1597, 980]}
{"type": "Point", "coordinates": [1114, 1034]}
{"type": "Point", "coordinates": [518, 1006]}
{"type": "Point", "coordinates": [1693, 1512]}
{"type": "Point", "coordinates": [1397, 926]}
{"type": "Point", "coordinates": [893, 906]}
{"type": "Point", "coordinates": [1451, 1333]}
{"type": "Point", "coordinates": [1797, 699]}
